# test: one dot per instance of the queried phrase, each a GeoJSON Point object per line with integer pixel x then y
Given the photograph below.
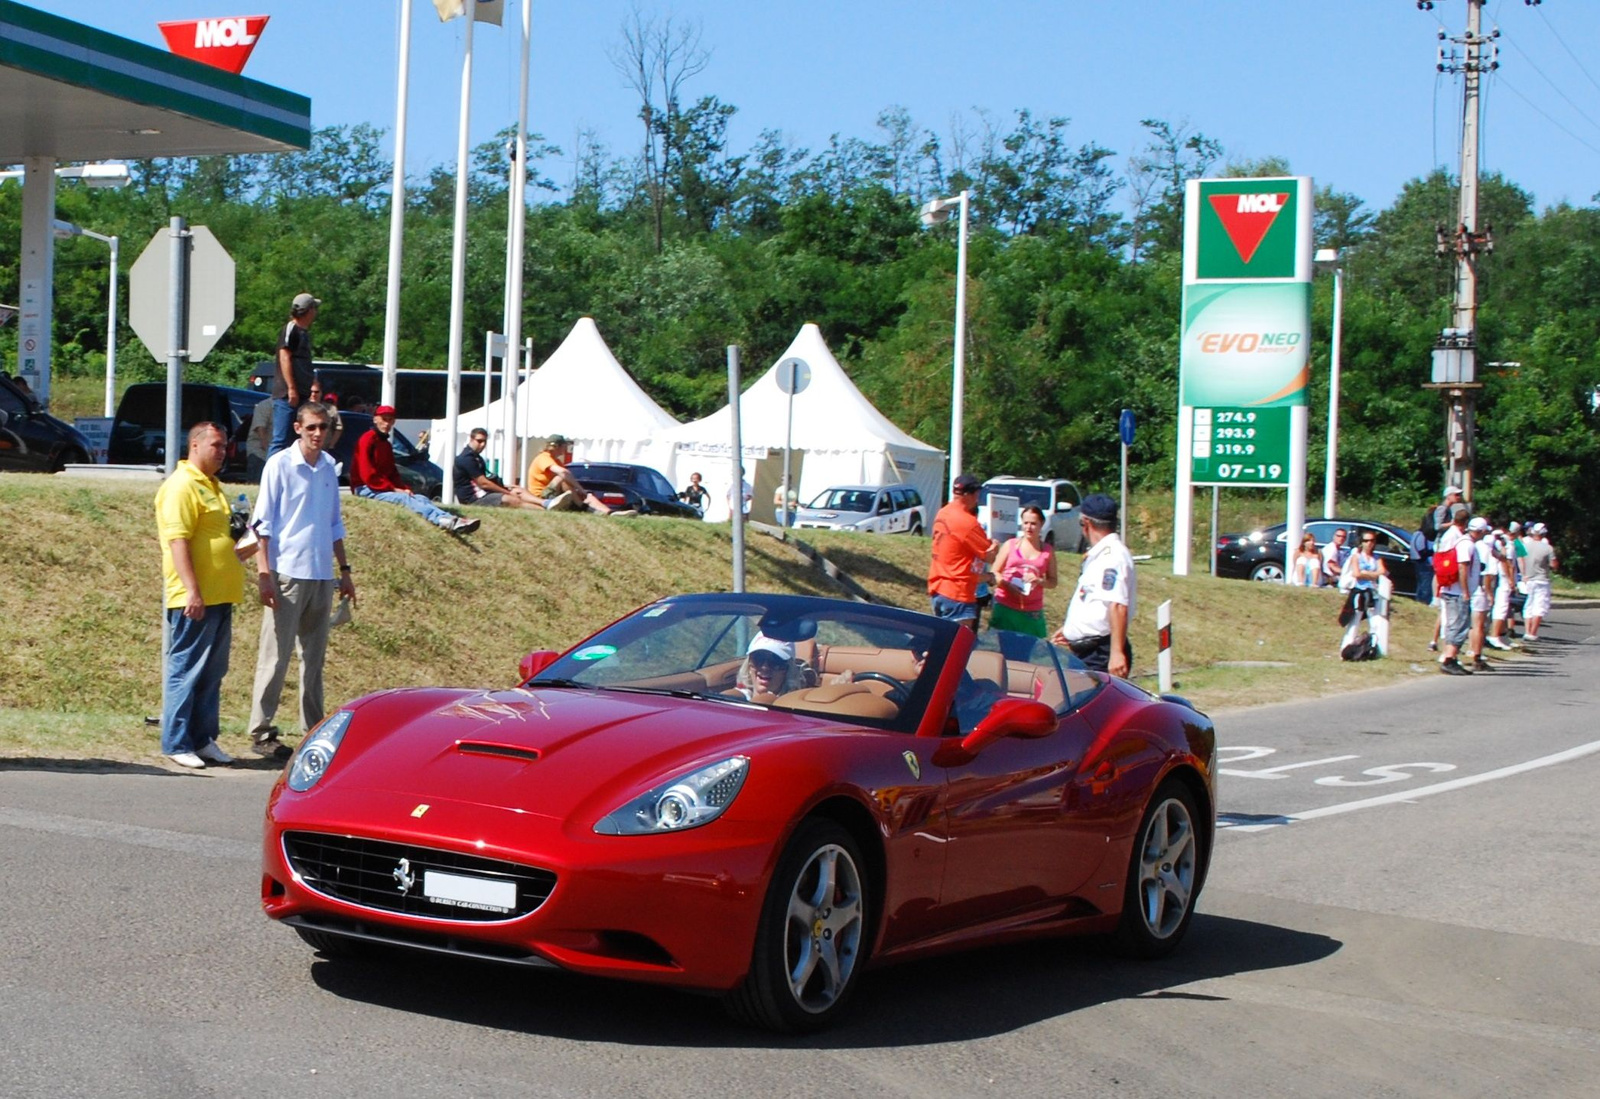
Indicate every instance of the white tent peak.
{"type": "Point", "coordinates": [829, 414]}
{"type": "Point", "coordinates": [580, 391]}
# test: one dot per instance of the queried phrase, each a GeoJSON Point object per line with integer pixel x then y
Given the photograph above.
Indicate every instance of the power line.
{"type": "Point", "coordinates": [1563, 41]}
{"type": "Point", "coordinates": [1510, 88]}
{"type": "Point", "coordinates": [1535, 66]}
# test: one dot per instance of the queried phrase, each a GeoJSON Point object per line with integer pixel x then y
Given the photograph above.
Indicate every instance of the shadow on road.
{"type": "Point", "coordinates": [958, 998]}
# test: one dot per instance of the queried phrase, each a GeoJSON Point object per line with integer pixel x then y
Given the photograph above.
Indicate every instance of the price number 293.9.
{"type": "Point", "coordinates": [1233, 471]}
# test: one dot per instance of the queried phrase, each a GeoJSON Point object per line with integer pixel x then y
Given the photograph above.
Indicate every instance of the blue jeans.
{"type": "Point", "coordinates": [191, 699]}
{"type": "Point", "coordinates": [282, 425]}
{"type": "Point", "coordinates": [944, 607]}
{"type": "Point", "coordinates": [415, 501]}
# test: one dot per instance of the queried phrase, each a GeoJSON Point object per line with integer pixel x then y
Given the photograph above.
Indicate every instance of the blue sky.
{"type": "Point", "coordinates": [1345, 89]}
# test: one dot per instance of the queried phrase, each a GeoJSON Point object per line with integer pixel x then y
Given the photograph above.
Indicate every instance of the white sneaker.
{"type": "Point", "coordinates": [187, 759]}
{"type": "Point", "coordinates": [1496, 643]}
{"type": "Point", "coordinates": [560, 502]}
{"type": "Point", "coordinates": [214, 753]}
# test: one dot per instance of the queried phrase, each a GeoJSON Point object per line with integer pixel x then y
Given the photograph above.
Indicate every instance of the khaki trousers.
{"type": "Point", "coordinates": [299, 621]}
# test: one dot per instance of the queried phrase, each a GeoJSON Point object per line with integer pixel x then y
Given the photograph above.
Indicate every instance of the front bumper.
{"type": "Point", "coordinates": [676, 909]}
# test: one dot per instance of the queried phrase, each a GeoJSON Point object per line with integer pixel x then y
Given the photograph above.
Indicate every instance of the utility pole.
{"type": "Point", "coordinates": [1455, 372]}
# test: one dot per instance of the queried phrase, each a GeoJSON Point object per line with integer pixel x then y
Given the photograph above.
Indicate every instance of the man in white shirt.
{"type": "Point", "coordinates": [1485, 571]}
{"type": "Point", "coordinates": [1105, 600]}
{"type": "Point", "coordinates": [1334, 556]}
{"type": "Point", "coordinates": [298, 521]}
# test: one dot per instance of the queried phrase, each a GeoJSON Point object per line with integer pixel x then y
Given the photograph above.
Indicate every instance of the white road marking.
{"type": "Point", "coordinates": [185, 843]}
{"type": "Point", "coordinates": [1401, 796]}
{"type": "Point", "coordinates": [1276, 772]}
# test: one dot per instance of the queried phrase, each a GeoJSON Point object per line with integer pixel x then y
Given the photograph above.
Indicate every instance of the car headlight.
{"type": "Point", "coordinates": [687, 801]}
{"type": "Point", "coordinates": [312, 759]}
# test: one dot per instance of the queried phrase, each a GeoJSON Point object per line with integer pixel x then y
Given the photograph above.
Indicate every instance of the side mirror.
{"type": "Point", "coordinates": [1064, 506]}
{"type": "Point", "coordinates": [536, 662]}
{"type": "Point", "coordinates": [1010, 717]}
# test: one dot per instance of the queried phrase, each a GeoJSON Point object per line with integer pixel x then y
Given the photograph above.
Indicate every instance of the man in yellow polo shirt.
{"type": "Point", "coordinates": [203, 582]}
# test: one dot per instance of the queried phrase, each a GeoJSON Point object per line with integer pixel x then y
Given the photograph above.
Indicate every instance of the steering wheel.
{"type": "Point", "coordinates": [898, 693]}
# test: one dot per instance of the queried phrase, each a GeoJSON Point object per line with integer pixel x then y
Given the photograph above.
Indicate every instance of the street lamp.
{"type": "Point", "coordinates": [67, 229]}
{"type": "Point", "coordinates": [936, 213]}
{"type": "Point", "coordinates": [1330, 257]}
{"type": "Point", "coordinates": [90, 175]}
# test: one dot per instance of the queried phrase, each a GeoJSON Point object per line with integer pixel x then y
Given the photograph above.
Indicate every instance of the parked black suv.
{"type": "Point", "coordinates": [31, 439]}
{"type": "Point", "coordinates": [139, 432]}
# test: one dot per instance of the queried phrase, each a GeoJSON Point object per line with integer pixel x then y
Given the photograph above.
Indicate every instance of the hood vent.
{"type": "Point", "coordinates": [507, 751]}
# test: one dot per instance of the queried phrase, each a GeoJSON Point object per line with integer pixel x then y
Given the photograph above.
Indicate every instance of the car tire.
{"type": "Point", "coordinates": [66, 458]}
{"type": "Point", "coordinates": [811, 943]}
{"type": "Point", "coordinates": [916, 528]}
{"type": "Point", "coordinates": [1165, 871]}
{"type": "Point", "coordinates": [1268, 572]}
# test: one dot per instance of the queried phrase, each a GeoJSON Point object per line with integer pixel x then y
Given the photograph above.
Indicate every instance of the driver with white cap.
{"type": "Point", "coordinates": [770, 669]}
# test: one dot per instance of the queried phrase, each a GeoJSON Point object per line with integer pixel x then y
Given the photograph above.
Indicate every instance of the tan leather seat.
{"type": "Point", "coordinates": [990, 666]}
{"type": "Point", "coordinates": [850, 699]}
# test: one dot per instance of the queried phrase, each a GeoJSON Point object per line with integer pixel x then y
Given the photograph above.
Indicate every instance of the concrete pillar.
{"type": "Point", "coordinates": [38, 270]}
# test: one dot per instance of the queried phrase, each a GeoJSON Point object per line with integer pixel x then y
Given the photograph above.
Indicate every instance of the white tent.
{"type": "Point", "coordinates": [581, 392]}
{"type": "Point", "coordinates": [838, 439]}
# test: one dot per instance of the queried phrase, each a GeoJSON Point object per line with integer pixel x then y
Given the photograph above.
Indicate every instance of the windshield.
{"type": "Point", "coordinates": [844, 499]}
{"type": "Point", "coordinates": [857, 663]}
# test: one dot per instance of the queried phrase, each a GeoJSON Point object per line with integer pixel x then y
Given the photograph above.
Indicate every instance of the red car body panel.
{"type": "Point", "coordinates": [1031, 836]}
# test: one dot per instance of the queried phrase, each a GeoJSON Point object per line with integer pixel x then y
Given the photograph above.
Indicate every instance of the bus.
{"type": "Point", "coordinates": [419, 394]}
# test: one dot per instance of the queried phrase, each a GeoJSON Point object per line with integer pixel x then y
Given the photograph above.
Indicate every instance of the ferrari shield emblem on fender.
{"type": "Point", "coordinates": [419, 810]}
{"type": "Point", "coordinates": [911, 761]}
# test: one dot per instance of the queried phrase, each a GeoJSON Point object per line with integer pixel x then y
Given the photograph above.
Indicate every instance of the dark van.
{"type": "Point", "coordinates": [139, 431]}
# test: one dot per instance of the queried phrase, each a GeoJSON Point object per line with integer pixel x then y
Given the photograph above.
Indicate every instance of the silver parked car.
{"type": "Point", "coordinates": [882, 509]}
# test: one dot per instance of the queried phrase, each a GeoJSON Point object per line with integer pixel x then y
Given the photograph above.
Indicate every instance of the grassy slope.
{"type": "Point", "coordinates": [80, 616]}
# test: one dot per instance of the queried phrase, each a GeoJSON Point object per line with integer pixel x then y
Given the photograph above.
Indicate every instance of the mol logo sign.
{"type": "Point", "coordinates": [1246, 229]}
{"type": "Point", "coordinates": [220, 43]}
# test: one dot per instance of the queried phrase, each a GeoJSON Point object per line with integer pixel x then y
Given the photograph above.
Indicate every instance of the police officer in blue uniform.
{"type": "Point", "coordinates": [1104, 602]}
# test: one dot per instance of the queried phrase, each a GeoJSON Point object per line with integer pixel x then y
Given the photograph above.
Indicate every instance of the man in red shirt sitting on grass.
{"type": "Point", "coordinates": [376, 477]}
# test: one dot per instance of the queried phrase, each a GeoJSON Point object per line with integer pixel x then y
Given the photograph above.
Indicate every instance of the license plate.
{"type": "Point", "coordinates": [480, 894]}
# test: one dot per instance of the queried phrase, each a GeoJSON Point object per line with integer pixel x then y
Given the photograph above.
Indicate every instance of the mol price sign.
{"type": "Point", "coordinates": [1240, 447]}
{"type": "Point", "coordinates": [221, 43]}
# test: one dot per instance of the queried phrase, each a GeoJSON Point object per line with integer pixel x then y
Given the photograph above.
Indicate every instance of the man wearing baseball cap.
{"type": "Point", "coordinates": [1106, 598]}
{"type": "Point", "coordinates": [376, 477]}
{"type": "Point", "coordinates": [291, 385]}
{"type": "Point", "coordinates": [551, 481]}
{"type": "Point", "coordinates": [961, 555]}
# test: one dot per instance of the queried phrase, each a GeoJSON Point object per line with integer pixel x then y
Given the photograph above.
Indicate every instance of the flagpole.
{"type": "Point", "coordinates": [514, 246]}
{"type": "Point", "coordinates": [458, 265]}
{"type": "Point", "coordinates": [397, 211]}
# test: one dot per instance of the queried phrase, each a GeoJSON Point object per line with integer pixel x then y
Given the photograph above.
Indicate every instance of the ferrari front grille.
{"type": "Point", "coordinates": [394, 877]}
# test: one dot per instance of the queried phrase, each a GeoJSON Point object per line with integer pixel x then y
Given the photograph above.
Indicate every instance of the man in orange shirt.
{"type": "Point", "coordinates": [550, 481]}
{"type": "Point", "coordinates": [961, 555]}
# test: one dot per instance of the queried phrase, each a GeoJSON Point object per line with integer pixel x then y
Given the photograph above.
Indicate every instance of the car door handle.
{"type": "Point", "coordinates": [1105, 772]}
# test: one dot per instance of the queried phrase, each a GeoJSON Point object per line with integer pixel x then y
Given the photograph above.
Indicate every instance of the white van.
{"type": "Point", "coordinates": [1058, 499]}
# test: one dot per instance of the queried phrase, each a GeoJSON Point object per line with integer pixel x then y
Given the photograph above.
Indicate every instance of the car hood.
{"type": "Point", "coordinates": [558, 752]}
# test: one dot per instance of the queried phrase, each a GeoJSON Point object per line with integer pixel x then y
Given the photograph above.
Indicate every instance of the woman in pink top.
{"type": "Point", "coordinates": [1024, 568]}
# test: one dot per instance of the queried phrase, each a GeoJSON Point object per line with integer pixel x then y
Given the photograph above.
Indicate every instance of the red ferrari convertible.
{"type": "Point", "coordinates": [754, 795]}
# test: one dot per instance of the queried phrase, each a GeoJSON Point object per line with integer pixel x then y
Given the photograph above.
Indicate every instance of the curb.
{"type": "Point", "coordinates": [812, 554]}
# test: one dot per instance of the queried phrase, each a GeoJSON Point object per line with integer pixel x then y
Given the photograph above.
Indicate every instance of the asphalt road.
{"type": "Point", "coordinates": [1403, 903]}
